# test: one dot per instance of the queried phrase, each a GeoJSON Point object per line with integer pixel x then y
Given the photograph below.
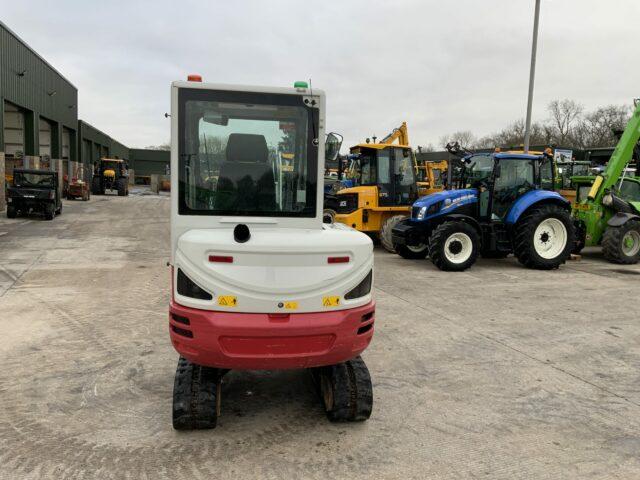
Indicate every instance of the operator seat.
{"type": "Point", "coordinates": [246, 181]}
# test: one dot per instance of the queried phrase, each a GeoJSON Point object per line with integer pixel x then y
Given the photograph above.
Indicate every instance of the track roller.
{"type": "Point", "coordinates": [196, 396]}
{"type": "Point", "coordinates": [346, 390]}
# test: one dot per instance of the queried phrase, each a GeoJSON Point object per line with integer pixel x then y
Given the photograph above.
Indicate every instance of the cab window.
{"type": "Point", "coordinates": [630, 190]}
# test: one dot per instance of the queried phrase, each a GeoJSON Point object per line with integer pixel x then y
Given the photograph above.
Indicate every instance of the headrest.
{"type": "Point", "coordinates": [245, 147]}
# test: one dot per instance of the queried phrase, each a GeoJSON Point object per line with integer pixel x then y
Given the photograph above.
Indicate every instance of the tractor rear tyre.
{"type": "Point", "coordinates": [12, 212]}
{"type": "Point", "coordinates": [412, 252]}
{"type": "Point", "coordinates": [96, 186]}
{"type": "Point", "coordinates": [622, 244]}
{"type": "Point", "coordinates": [544, 237]}
{"type": "Point", "coordinates": [196, 396]}
{"type": "Point", "coordinates": [386, 232]}
{"type": "Point", "coordinates": [578, 245]}
{"type": "Point", "coordinates": [454, 246]}
{"type": "Point", "coordinates": [121, 186]}
{"type": "Point", "coordinates": [49, 211]}
{"type": "Point", "coordinates": [346, 391]}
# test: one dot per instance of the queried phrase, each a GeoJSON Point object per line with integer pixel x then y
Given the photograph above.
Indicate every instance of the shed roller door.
{"type": "Point", "coordinates": [13, 131]}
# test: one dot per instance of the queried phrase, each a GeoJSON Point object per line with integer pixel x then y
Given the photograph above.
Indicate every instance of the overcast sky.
{"type": "Point", "coordinates": [440, 65]}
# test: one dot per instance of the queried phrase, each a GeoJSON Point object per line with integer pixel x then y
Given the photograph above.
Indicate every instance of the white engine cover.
{"type": "Point", "coordinates": [279, 270]}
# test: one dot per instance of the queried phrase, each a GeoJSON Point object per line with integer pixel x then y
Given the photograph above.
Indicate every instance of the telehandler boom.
{"type": "Point", "coordinates": [607, 208]}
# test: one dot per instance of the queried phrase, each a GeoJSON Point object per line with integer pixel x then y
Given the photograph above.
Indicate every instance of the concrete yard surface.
{"type": "Point", "coordinates": [499, 372]}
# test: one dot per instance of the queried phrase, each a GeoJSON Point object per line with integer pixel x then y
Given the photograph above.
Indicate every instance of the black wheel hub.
{"type": "Point", "coordinates": [455, 247]}
{"type": "Point", "coordinates": [544, 237]}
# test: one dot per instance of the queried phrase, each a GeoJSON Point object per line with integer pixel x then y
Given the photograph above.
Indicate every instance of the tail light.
{"type": "Point", "coordinates": [338, 260]}
{"type": "Point", "coordinates": [220, 259]}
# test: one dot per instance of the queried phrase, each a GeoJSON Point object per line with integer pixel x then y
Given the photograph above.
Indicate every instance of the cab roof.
{"type": "Point", "coordinates": [520, 156]}
{"type": "Point", "coordinates": [31, 170]}
{"type": "Point", "coordinates": [378, 146]}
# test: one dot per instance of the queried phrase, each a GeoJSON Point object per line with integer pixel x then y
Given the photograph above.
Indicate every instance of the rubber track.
{"type": "Point", "coordinates": [194, 396]}
{"type": "Point", "coordinates": [352, 391]}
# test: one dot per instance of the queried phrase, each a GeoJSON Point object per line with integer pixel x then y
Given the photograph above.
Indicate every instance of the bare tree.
{"type": "Point", "coordinates": [513, 136]}
{"type": "Point", "coordinates": [466, 138]}
{"type": "Point", "coordinates": [426, 148]}
{"type": "Point", "coordinates": [597, 128]}
{"type": "Point", "coordinates": [567, 126]}
{"type": "Point", "coordinates": [564, 115]}
{"type": "Point", "coordinates": [164, 146]}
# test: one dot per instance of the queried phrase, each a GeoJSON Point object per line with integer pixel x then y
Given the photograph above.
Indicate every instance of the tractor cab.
{"type": "Point", "coordinates": [500, 179]}
{"type": "Point", "coordinates": [502, 203]}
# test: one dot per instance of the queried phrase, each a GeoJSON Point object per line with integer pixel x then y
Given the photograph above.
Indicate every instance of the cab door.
{"type": "Point", "coordinates": [513, 177]}
{"type": "Point", "coordinates": [404, 177]}
{"type": "Point", "coordinates": [385, 183]}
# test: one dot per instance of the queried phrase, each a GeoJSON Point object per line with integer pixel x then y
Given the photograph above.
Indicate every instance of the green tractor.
{"type": "Point", "coordinates": [607, 207]}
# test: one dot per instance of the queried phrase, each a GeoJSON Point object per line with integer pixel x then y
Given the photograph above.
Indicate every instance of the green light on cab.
{"type": "Point", "coordinates": [300, 84]}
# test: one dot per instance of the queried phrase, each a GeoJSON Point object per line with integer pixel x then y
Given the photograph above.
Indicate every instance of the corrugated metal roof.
{"type": "Point", "coordinates": [26, 45]}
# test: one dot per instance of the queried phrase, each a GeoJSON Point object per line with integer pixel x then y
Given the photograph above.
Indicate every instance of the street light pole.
{"type": "Point", "coordinates": [532, 76]}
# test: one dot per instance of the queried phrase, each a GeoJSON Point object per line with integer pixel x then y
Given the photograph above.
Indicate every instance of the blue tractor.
{"type": "Point", "coordinates": [503, 203]}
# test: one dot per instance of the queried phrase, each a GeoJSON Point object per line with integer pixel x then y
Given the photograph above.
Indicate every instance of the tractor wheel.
{"type": "Point", "coordinates": [49, 211]}
{"type": "Point", "coordinates": [59, 210]}
{"type": "Point", "coordinates": [346, 391]}
{"type": "Point", "coordinates": [412, 252]}
{"type": "Point", "coordinates": [622, 244]}
{"type": "Point", "coordinates": [328, 216]}
{"type": "Point", "coordinates": [196, 396]}
{"type": "Point", "coordinates": [121, 186]}
{"type": "Point", "coordinates": [544, 237]}
{"type": "Point", "coordinates": [386, 232]}
{"type": "Point", "coordinates": [454, 246]}
{"type": "Point", "coordinates": [96, 186]}
{"type": "Point", "coordinates": [580, 241]}
{"type": "Point", "coordinates": [12, 212]}
{"type": "Point", "coordinates": [578, 245]}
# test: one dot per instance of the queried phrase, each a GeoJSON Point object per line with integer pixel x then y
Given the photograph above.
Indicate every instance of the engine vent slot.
{"type": "Point", "coordinates": [182, 331]}
{"type": "Point", "coordinates": [180, 319]}
{"type": "Point", "coordinates": [365, 329]}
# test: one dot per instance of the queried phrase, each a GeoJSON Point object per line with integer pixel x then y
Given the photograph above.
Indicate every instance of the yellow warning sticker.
{"type": "Point", "coordinates": [330, 301]}
{"type": "Point", "coordinates": [291, 305]}
{"type": "Point", "coordinates": [227, 301]}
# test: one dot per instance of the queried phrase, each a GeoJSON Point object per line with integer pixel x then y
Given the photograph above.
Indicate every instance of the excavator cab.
{"type": "Point", "coordinates": [391, 170]}
{"type": "Point", "coordinates": [430, 177]}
